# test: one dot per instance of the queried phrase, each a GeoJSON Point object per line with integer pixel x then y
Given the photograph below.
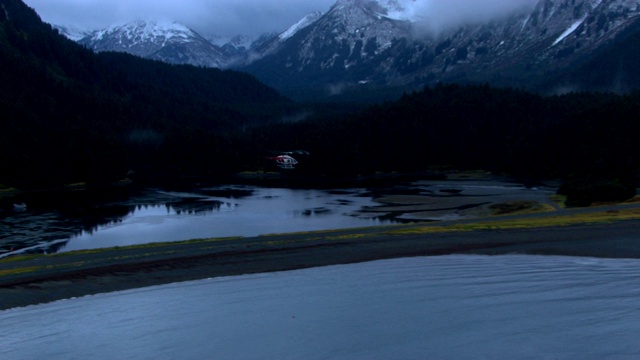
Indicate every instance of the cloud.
{"type": "Point", "coordinates": [436, 16]}
{"type": "Point", "coordinates": [210, 17]}
{"type": "Point", "coordinates": [254, 17]}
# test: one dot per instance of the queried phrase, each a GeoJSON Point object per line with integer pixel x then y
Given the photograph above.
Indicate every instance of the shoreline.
{"type": "Point", "coordinates": [30, 280]}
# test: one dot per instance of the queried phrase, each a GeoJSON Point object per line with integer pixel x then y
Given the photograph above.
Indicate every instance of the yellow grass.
{"type": "Point", "coordinates": [520, 207]}
{"type": "Point", "coordinates": [18, 271]}
{"type": "Point", "coordinates": [548, 221]}
{"type": "Point", "coordinates": [560, 200]}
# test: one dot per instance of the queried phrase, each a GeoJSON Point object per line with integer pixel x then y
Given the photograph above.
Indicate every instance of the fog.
{"type": "Point", "coordinates": [209, 17]}
{"type": "Point", "coordinates": [435, 16]}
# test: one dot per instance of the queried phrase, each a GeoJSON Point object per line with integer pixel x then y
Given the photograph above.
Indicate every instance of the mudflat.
{"type": "Point", "coordinates": [35, 279]}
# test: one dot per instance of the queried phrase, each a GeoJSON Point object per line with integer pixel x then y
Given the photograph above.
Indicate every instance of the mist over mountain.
{"type": "Point", "coordinates": [360, 44]}
{"type": "Point", "coordinates": [435, 17]}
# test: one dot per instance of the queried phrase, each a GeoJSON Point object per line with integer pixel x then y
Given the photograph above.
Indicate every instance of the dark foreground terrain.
{"type": "Point", "coordinates": [27, 280]}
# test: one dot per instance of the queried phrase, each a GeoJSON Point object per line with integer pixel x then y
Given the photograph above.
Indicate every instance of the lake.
{"type": "Point", "coordinates": [76, 220]}
{"type": "Point", "coordinates": [154, 215]}
{"type": "Point", "coordinates": [454, 307]}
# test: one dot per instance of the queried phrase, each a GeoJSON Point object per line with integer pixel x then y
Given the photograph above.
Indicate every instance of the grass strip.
{"type": "Point", "coordinates": [532, 223]}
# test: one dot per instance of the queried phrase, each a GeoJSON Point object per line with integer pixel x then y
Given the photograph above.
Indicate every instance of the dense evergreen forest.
{"type": "Point", "coordinates": [68, 115]}
{"type": "Point", "coordinates": [588, 139]}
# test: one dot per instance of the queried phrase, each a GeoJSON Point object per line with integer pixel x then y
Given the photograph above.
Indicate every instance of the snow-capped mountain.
{"type": "Point", "coordinates": [165, 41]}
{"type": "Point", "coordinates": [392, 42]}
{"type": "Point", "coordinates": [383, 42]}
{"type": "Point", "coordinates": [178, 44]}
{"type": "Point", "coordinates": [306, 21]}
{"type": "Point", "coordinates": [338, 47]}
{"type": "Point", "coordinates": [269, 44]}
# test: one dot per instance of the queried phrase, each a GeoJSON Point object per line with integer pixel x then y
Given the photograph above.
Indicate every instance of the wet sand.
{"type": "Point", "coordinates": [41, 279]}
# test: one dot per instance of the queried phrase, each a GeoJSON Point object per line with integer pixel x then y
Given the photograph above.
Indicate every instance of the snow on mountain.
{"type": "Point", "coordinates": [353, 24]}
{"type": "Point", "coordinates": [384, 42]}
{"type": "Point", "coordinates": [165, 41]}
{"type": "Point", "coordinates": [306, 21]}
{"type": "Point", "coordinates": [401, 10]}
{"type": "Point", "coordinates": [175, 43]}
{"type": "Point", "coordinates": [344, 45]}
{"type": "Point", "coordinates": [570, 30]}
{"type": "Point", "coordinates": [269, 44]}
{"type": "Point", "coordinates": [377, 42]}
{"type": "Point", "coordinates": [140, 34]}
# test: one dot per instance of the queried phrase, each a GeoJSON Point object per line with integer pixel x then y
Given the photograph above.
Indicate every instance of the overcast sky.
{"type": "Point", "coordinates": [246, 17]}
{"type": "Point", "coordinates": [222, 17]}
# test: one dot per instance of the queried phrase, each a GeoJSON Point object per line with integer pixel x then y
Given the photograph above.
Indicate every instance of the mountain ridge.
{"type": "Point", "coordinates": [170, 42]}
{"type": "Point", "coordinates": [518, 50]}
{"type": "Point", "coordinates": [367, 45]}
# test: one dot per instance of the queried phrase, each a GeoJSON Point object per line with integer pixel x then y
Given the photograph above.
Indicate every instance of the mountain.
{"type": "Point", "coordinates": [177, 44]}
{"type": "Point", "coordinates": [235, 48]}
{"type": "Point", "coordinates": [169, 42]}
{"type": "Point", "coordinates": [360, 43]}
{"type": "Point", "coordinates": [371, 46]}
{"type": "Point", "coordinates": [272, 43]}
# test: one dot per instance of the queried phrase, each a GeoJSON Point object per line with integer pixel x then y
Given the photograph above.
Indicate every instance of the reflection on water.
{"type": "Point", "coordinates": [76, 220]}
{"type": "Point", "coordinates": [154, 216]}
{"type": "Point", "coordinates": [192, 206]}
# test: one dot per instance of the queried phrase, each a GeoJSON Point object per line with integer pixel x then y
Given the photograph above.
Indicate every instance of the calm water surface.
{"type": "Point", "coordinates": [449, 307]}
{"type": "Point", "coordinates": [84, 220]}
{"type": "Point", "coordinates": [159, 216]}
{"type": "Point", "coordinates": [261, 211]}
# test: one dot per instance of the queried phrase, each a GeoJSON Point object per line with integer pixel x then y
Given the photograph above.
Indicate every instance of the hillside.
{"type": "Point", "coordinates": [614, 67]}
{"type": "Point", "coordinates": [70, 115]}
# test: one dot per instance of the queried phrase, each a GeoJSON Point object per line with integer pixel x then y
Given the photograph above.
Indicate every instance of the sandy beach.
{"type": "Point", "coordinates": [35, 279]}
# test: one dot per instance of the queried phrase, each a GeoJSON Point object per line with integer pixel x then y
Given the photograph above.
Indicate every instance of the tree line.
{"type": "Point", "coordinates": [590, 140]}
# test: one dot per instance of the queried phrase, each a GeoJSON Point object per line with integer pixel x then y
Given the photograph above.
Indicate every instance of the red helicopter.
{"type": "Point", "coordinates": [284, 160]}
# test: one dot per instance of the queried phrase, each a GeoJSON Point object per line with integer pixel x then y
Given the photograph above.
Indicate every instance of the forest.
{"type": "Point", "coordinates": [590, 140]}
{"type": "Point", "coordinates": [68, 116]}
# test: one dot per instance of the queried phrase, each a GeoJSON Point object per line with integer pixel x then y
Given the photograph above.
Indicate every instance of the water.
{"type": "Point", "coordinates": [78, 220]}
{"type": "Point", "coordinates": [159, 216]}
{"type": "Point", "coordinates": [457, 307]}
{"type": "Point", "coordinates": [260, 211]}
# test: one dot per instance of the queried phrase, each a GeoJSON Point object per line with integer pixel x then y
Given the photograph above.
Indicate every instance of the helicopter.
{"type": "Point", "coordinates": [285, 160]}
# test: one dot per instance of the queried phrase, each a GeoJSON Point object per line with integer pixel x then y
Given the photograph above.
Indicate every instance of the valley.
{"type": "Point", "coordinates": [495, 142]}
